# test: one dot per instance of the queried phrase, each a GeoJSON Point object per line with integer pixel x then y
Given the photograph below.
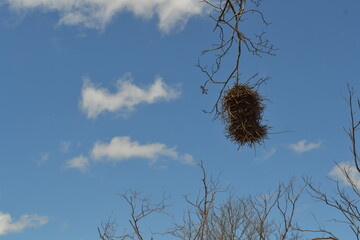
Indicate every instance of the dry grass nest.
{"type": "Point", "coordinates": [242, 109]}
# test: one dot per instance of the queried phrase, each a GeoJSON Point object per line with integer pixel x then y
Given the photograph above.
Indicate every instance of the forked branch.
{"type": "Point", "coordinates": [354, 125]}
{"type": "Point", "coordinates": [228, 16]}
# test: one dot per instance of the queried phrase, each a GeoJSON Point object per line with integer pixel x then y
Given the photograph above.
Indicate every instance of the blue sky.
{"type": "Point", "coordinates": [97, 99]}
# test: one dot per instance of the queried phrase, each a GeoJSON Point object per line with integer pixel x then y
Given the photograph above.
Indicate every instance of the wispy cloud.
{"type": "Point", "coordinates": [95, 100]}
{"type": "Point", "coordinates": [65, 146]}
{"type": "Point", "coordinates": [346, 173]}
{"type": "Point", "coordinates": [303, 146]}
{"type": "Point", "coordinates": [81, 163]}
{"type": "Point", "coordinates": [8, 225]}
{"type": "Point", "coordinates": [98, 13]}
{"type": "Point", "coordinates": [44, 157]}
{"type": "Point", "coordinates": [268, 154]}
{"type": "Point", "coordinates": [122, 148]}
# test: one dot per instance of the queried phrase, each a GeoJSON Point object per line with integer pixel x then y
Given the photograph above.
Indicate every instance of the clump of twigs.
{"type": "Point", "coordinates": [242, 109]}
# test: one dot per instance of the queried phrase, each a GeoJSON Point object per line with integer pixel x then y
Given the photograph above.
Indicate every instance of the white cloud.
{"type": "Point", "coordinates": [65, 146]}
{"type": "Point", "coordinates": [98, 13]}
{"type": "Point", "coordinates": [95, 100]}
{"type": "Point", "coordinates": [122, 148]}
{"type": "Point", "coordinates": [8, 225]}
{"type": "Point", "coordinates": [346, 173]}
{"type": "Point", "coordinates": [303, 146]}
{"type": "Point", "coordinates": [81, 163]}
{"type": "Point", "coordinates": [44, 157]}
{"type": "Point", "coordinates": [267, 155]}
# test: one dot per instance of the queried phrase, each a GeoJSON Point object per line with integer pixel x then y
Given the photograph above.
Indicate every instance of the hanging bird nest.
{"type": "Point", "coordinates": [241, 110]}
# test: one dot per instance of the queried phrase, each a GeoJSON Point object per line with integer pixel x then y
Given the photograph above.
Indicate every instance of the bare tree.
{"type": "Point", "coordinates": [140, 207]}
{"type": "Point", "coordinates": [195, 222]}
{"type": "Point", "coordinates": [239, 218]}
{"type": "Point", "coordinates": [268, 216]}
{"type": "Point", "coordinates": [244, 218]}
{"type": "Point", "coordinates": [346, 199]}
{"type": "Point", "coordinates": [228, 16]}
{"type": "Point", "coordinates": [261, 217]}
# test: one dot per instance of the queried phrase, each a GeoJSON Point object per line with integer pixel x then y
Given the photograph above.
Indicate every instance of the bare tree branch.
{"type": "Point", "coordinates": [228, 16]}
{"type": "Point", "coordinates": [354, 126]}
{"type": "Point", "coordinates": [140, 208]}
{"type": "Point", "coordinates": [344, 202]}
{"type": "Point", "coordinates": [241, 218]}
{"type": "Point", "coordinates": [260, 217]}
{"type": "Point", "coordinates": [195, 222]}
